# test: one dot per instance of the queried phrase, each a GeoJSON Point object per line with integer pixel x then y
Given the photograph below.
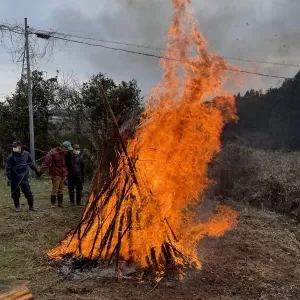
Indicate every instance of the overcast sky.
{"type": "Point", "coordinates": [265, 30]}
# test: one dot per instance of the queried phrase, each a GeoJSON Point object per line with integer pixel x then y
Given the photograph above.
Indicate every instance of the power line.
{"type": "Point", "coordinates": [55, 35]}
{"type": "Point", "coordinates": [262, 62]}
{"type": "Point", "coordinates": [9, 27]}
{"type": "Point", "coordinates": [117, 49]}
{"type": "Point", "coordinates": [261, 74]}
{"type": "Point", "coordinates": [159, 48]}
{"type": "Point", "coordinates": [168, 58]}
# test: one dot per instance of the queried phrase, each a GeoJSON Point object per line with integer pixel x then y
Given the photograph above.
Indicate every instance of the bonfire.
{"type": "Point", "coordinates": [141, 214]}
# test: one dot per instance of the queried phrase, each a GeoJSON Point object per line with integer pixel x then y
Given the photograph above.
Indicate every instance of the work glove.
{"type": "Point", "coordinates": [9, 183]}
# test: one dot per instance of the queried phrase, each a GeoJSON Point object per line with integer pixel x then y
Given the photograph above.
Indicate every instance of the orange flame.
{"type": "Point", "coordinates": [175, 141]}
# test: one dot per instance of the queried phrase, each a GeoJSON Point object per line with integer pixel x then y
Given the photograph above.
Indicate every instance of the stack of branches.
{"type": "Point", "coordinates": [112, 218]}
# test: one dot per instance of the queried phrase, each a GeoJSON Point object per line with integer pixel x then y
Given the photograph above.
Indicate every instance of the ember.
{"type": "Point", "coordinates": [141, 213]}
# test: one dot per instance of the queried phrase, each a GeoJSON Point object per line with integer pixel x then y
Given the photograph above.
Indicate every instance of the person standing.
{"type": "Point", "coordinates": [55, 161]}
{"type": "Point", "coordinates": [75, 166]}
{"type": "Point", "coordinates": [17, 173]}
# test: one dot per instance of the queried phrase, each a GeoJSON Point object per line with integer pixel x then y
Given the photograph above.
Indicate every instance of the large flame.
{"type": "Point", "coordinates": [176, 139]}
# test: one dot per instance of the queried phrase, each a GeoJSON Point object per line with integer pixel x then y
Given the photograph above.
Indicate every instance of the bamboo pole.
{"type": "Point", "coordinates": [18, 293]}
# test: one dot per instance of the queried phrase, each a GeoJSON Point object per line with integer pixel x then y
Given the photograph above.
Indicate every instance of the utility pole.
{"type": "Point", "coordinates": [31, 128]}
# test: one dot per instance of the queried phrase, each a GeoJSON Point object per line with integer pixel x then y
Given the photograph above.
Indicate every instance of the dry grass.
{"type": "Point", "coordinates": [268, 179]}
{"type": "Point", "coordinates": [26, 236]}
{"type": "Point", "coordinates": [259, 259]}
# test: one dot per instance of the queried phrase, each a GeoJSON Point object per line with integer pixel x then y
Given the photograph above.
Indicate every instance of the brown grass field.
{"type": "Point", "coordinates": [259, 259]}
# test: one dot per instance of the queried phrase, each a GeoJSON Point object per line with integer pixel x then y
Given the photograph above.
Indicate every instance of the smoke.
{"type": "Point", "coordinates": [259, 30]}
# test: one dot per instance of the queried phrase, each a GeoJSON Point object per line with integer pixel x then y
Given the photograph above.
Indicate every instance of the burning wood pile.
{"type": "Point", "coordinates": [142, 213]}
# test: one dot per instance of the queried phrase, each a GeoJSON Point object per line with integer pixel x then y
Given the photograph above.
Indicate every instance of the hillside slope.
{"type": "Point", "coordinates": [270, 120]}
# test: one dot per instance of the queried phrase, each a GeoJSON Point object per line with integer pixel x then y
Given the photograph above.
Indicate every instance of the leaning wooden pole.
{"type": "Point", "coordinates": [116, 251]}
{"type": "Point", "coordinates": [112, 115]}
{"type": "Point", "coordinates": [19, 293]}
{"type": "Point", "coordinates": [131, 167]}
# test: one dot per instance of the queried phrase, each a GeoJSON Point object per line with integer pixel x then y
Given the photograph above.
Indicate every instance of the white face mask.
{"type": "Point", "coordinates": [16, 149]}
{"type": "Point", "coordinates": [76, 152]}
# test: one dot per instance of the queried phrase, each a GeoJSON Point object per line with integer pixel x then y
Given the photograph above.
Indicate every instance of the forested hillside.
{"type": "Point", "coordinates": [269, 120]}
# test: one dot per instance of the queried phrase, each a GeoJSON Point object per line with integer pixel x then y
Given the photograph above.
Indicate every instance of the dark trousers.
{"type": "Point", "coordinates": [17, 187]}
{"type": "Point", "coordinates": [75, 184]}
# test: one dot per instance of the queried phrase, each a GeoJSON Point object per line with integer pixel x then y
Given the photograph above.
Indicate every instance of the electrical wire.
{"type": "Point", "coordinates": [170, 58]}
{"type": "Point", "coordinates": [54, 34]}
{"type": "Point", "coordinates": [63, 37]}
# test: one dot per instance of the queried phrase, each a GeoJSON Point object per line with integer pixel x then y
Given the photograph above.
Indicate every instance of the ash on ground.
{"type": "Point", "coordinates": [83, 269]}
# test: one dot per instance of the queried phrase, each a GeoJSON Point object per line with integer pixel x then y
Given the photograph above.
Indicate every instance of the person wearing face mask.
{"type": "Point", "coordinates": [17, 173]}
{"type": "Point", "coordinates": [75, 165]}
{"type": "Point", "coordinates": [55, 161]}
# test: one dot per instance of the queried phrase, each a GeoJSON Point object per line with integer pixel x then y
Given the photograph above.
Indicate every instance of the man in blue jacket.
{"type": "Point", "coordinates": [17, 173]}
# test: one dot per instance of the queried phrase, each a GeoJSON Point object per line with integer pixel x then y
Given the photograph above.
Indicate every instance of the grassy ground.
{"type": "Point", "coordinates": [26, 236]}
{"type": "Point", "coordinates": [259, 259]}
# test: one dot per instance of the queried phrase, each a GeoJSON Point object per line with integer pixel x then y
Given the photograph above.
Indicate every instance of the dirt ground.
{"type": "Point", "coordinates": [259, 259]}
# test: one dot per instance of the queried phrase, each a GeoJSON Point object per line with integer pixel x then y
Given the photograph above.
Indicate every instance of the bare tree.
{"type": "Point", "coordinates": [41, 45]}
